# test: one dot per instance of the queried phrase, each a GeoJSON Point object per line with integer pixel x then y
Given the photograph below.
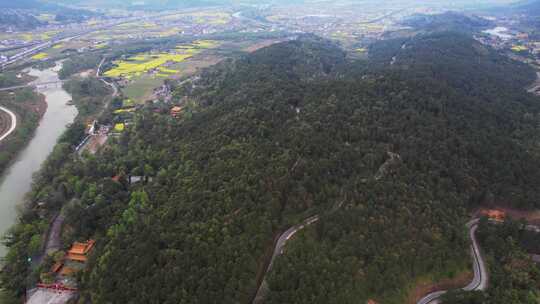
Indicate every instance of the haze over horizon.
{"type": "Point", "coordinates": [168, 4]}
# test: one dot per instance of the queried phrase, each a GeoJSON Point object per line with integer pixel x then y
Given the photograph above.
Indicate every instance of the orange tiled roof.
{"type": "Point", "coordinates": [78, 248]}
{"type": "Point", "coordinates": [76, 257]}
{"type": "Point", "coordinates": [79, 251]}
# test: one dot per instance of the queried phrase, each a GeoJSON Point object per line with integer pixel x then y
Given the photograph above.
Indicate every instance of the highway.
{"type": "Point", "coordinates": [480, 279]}
{"type": "Point", "coordinates": [13, 123]}
{"type": "Point", "coordinates": [47, 44]}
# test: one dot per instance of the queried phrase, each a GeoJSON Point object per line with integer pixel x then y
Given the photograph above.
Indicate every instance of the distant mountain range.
{"type": "Point", "coordinates": [11, 19]}
{"type": "Point", "coordinates": [20, 15]}
{"type": "Point", "coordinates": [531, 7]}
{"type": "Point", "coordinates": [449, 21]}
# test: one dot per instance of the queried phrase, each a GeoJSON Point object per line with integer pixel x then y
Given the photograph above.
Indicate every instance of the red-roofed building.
{"type": "Point", "coordinates": [494, 214]}
{"type": "Point", "coordinates": [79, 251]}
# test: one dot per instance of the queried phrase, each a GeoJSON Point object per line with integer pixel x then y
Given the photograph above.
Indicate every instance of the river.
{"type": "Point", "coordinates": [17, 180]}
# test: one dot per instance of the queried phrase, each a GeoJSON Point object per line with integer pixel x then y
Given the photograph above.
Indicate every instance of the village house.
{"type": "Point", "coordinates": [493, 214]}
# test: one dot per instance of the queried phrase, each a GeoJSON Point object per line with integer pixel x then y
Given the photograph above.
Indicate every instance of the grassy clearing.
{"type": "Point", "coordinates": [141, 89]}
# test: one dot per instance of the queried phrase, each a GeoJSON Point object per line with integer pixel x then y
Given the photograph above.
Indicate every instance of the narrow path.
{"type": "Point", "coordinates": [13, 123]}
{"type": "Point", "coordinates": [54, 240]}
{"type": "Point", "coordinates": [480, 279]}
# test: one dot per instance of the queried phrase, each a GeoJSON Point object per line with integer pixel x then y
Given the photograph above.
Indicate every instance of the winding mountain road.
{"type": "Point", "coordinates": [480, 279]}
{"type": "Point", "coordinates": [278, 250]}
{"type": "Point", "coordinates": [13, 119]}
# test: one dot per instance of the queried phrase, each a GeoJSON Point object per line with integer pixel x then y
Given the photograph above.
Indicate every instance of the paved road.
{"type": "Point", "coordinates": [280, 245]}
{"type": "Point", "coordinates": [13, 123]}
{"type": "Point", "coordinates": [47, 296]}
{"type": "Point", "coordinates": [480, 279]}
{"type": "Point", "coordinates": [54, 240]}
{"type": "Point", "coordinates": [110, 84]}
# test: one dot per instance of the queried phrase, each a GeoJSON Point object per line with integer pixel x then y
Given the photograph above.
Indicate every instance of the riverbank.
{"type": "Point", "coordinates": [42, 197]}
{"type": "Point", "coordinates": [28, 113]}
{"type": "Point", "coordinates": [55, 116]}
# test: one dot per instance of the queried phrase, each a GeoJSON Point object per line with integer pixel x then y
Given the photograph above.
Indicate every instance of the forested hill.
{"type": "Point", "coordinates": [448, 21]}
{"type": "Point", "coordinates": [299, 61]}
{"type": "Point", "coordinates": [291, 131]}
{"type": "Point", "coordinates": [455, 59]}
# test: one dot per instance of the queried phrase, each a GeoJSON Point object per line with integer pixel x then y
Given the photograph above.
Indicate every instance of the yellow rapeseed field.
{"type": "Point", "coordinates": [39, 56]}
{"type": "Point", "coordinates": [142, 63]}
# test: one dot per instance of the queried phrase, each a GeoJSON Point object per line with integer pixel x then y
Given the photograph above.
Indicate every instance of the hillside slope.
{"type": "Point", "coordinates": [291, 131]}
{"type": "Point", "coordinates": [286, 133]}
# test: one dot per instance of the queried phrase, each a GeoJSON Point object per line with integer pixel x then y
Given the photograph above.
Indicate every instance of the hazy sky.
{"type": "Point", "coordinates": [189, 3]}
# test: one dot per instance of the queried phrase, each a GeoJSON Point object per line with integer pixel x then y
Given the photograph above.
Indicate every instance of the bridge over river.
{"type": "Point", "coordinates": [39, 85]}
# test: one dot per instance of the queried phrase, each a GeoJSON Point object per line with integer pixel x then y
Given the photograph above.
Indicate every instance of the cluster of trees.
{"type": "Point", "coordinates": [78, 63]}
{"type": "Point", "coordinates": [291, 131]}
{"type": "Point", "coordinates": [27, 123]}
{"type": "Point", "coordinates": [25, 239]}
{"type": "Point", "coordinates": [89, 94]}
{"type": "Point", "coordinates": [513, 276]}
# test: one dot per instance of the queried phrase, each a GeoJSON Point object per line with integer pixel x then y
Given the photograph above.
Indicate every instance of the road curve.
{"type": "Point", "coordinates": [480, 279]}
{"type": "Point", "coordinates": [13, 123]}
{"type": "Point", "coordinates": [278, 248]}
{"type": "Point", "coordinates": [110, 84]}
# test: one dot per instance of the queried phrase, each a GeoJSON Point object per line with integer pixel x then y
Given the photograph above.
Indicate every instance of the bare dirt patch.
{"type": "Point", "coordinates": [531, 216]}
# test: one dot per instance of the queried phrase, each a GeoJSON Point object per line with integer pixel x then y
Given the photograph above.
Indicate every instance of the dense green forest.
{"type": "Point", "coordinates": [514, 277]}
{"type": "Point", "coordinates": [290, 131]}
